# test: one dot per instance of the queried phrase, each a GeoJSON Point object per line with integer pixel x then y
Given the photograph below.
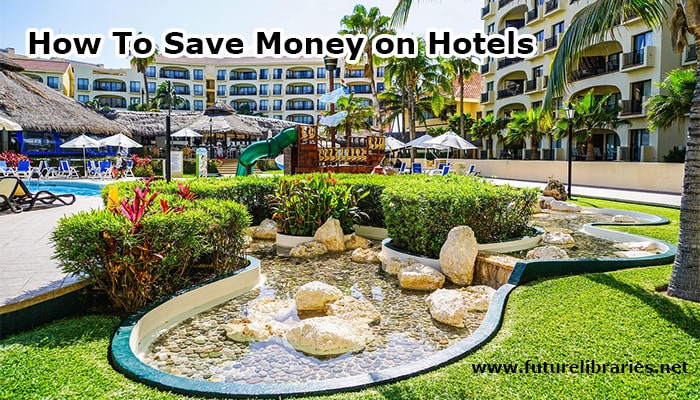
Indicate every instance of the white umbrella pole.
{"type": "Point", "coordinates": [84, 163]}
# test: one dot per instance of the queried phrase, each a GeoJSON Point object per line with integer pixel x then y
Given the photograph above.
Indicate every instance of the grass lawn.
{"type": "Point", "coordinates": [608, 318]}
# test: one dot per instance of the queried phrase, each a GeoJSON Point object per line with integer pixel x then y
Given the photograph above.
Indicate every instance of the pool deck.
{"type": "Point", "coordinates": [30, 275]}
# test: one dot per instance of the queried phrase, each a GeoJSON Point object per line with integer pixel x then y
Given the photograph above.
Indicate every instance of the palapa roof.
{"type": "Point", "coordinates": [39, 108]}
{"type": "Point", "coordinates": [147, 123]}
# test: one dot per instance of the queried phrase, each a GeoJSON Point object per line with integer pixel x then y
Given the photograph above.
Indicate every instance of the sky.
{"type": "Point", "coordinates": [218, 17]}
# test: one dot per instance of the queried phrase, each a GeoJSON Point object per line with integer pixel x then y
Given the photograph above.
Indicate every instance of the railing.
{"type": "Point", "coordinates": [252, 106]}
{"type": "Point", "coordinates": [342, 155]}
{"type": "Point", "coordinates": [516, 24]}
{"type": "Point", "coordinates": [485, 10]}
{"type": "Point", "coordinates": [300, 90]}
{"type": "Point", "coordinates": [510, 92]}
{"type": "Point", "coordinates": [691, 54]}
{"type": "Point", "coordinates": [360, 89]}
{"type": "Point", "coordinates": [508, 61]}
{"type": "Point", "coordinates": [532, 15]}
{"type": "Point", "coordinates": [174, 74]}
{"type": "Point", "coordinates": [485, 68]}
{"type": "Point", "coordinates": [585, 73]}
{"type": "Point", "coordinates": [485, 97]}
{"type": "Point", "coordinates": [300, 107]}
{"type": "Point", "coordinates": [631, 107]}
{"type": "Point", "coordinates": [355, 73]}
{"type": "Point", "coordinates": [550, 42]}
{"type": "Point", "coordinates": [633, 58]}
{"type": "Point", "coordinates": [300, 75]}
{"type": "Point", "coordinates": [182, 90]}
{"type": "Point", "coordinates": [109, 86]}
{"type": "Point", "coordinates": [243, 76]}
{"type": "Point", "coordinates": [550, 6]}
{"type": "Point", "coordinates": [503, 3]}
{"type": "Point", "coordinates": [243, 92]}
{"type": "Point", "coordinates": [531, 85]}
{"type": "Point", "coordinates": [112, 102]}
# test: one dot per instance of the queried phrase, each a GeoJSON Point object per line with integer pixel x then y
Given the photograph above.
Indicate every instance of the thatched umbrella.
{"type": "Point", "coordinates": [149, 124]}
{"type": "Point", "coordinates": [38, 108]}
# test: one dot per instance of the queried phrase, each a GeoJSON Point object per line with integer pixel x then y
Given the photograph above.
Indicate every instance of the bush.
{"type": "Point", "coordinates": [419, 216]}
{"type": "Point", "coordinates": [675, 155]}
{"type": "Point", "coordinates": [370, 206]}
{"type": "Point", "coordinates": [12, 158]}
{"type": "Point", "coordinates": [266, 165]}
{"type": "Point", "coordinates": [146, 249]}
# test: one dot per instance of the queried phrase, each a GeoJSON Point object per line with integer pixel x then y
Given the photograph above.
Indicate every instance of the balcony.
{"type": "Point", "coordinates": [503, 3]}
{"type": "Point", "coordinates": [485, 68]}
{"type": "Point", "coordinates": [174, 74]}
{"type": "Point", "coordinates": [360, 89]}
{"type": "Point", "coordinates": [486, 97]}
{"type": "Point", "coordinates": [639, 58]}
{"type": "Point", "coordinates": [299, 90]}
{"type": "Point", "coordinates": [486, 10]}
{"type": "Point", "coordinates": [516, 23]}
{"type": "Point", "coordinates": [244, 91]}
{"type": "Point", "coordinates": [242, 76]}
{"type": "Point", "coordinates": [355, 73]}
{"type": "Point", "coordinates": [509, 61]}
{"type": "Point", "coordinates": [181, 90]}
{"type": "Point", "coordinates": [632, 107]}
{"type": "Point", "coordinates": [300, 106]}
{"type": "Point", "coordinates": [551, 43]}
{"type": "Point", "coordinates": [106, 86]}
{"type": "Point", "coordinates": [251, 105]}
{"type": "Point", "coordinates": [514, 91]}
{"type": "Point", "coordinates": [112, 102]}
{"type": "Point", "coordinates": [300, 75]}
{"type": "Point", "coordinates": [532, 15]}
{"type": "Point", "coordinates": [551, 6]}
{"type": "Point", "coordinates": [589, 72]}
{"type": "Point", "coordinates": [531, 85]}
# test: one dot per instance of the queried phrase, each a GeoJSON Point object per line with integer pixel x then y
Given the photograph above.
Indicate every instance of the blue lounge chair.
{"type": "Point", "coordinates": [65, 169]}
{"type": "Point", "coordinates": [417, 168]}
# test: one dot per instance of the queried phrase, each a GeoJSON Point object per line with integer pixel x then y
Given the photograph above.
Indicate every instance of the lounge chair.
{"type": "Point", "coordinates": [4, 169]}
{"type": "Point", "coordinates": [128, 170]}
{"type": "Point", "coordinates": [472, 171]}
{"type": "Point", "coordinates": [22, 196]}
{"type": "Point", "coordinates": [105, 171]}
{"type": "Point", "coordinates": [7, 189]}
{"type": "Point", "coordinates": [93, 169]}
{"type": "Point", "coordinates": [417, 168]}
{"type": "Point", "coordinates": [24, 170]}
{"type": "Point", "coordinates": [65, 169]}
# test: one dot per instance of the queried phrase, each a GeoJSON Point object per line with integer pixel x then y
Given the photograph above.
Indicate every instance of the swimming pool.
{"type": "Point", "coordinates": [63, 187]}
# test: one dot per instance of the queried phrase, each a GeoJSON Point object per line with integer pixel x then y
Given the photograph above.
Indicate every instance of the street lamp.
{"type": "Point", "coordinates": [168, 143]}
{"type": "Point", "coordinates": [331, 63]}
{"type": "Point", "coordinates": [570, 113]}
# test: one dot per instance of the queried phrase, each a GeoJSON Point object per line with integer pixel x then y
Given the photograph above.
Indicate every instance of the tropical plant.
{"type": "Point", "coordinates": [244, 109]}
{"type": "Point", "coordinates": [394, 103]}
{"type": "Point", "coordinates": [358, 116]}
{"type": "Point", "coordinates": [12, 158]}
{"type": "Point", "coordinates": [462, 69]}
{"type": "Point", "coordinates": [166, 97]}
{"type": "Point", "coordinates": [461, 122]}
{"type": "Point", "coordinates": [592, 25]}
{"type": "Point", "coordinates": [141, 64]}
{"type": "Point", "coordinates": [94, 104]}
{"type": "Point", "coordinates": [675, 99]}
{"type": "Point", "coordinates": [485, 128]}
{"type": "Point", "coordinates": [372, 24]}
{"type": "Point", "coordinates": [528, 124]}
{"type": "Point", "coordinates": [593, 114]}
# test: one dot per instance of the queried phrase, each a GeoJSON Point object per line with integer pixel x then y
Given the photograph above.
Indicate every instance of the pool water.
{"type": "Point", "coordinates": [66, 187]}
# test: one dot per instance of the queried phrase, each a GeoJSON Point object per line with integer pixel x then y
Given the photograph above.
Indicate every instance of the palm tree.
{"type": "Point", "coordinates": [141, 64]}
{"type": "Point", "coordinates": [166, 97]}
{"type": "Point", "coordinates": [591, 25]}
{"type": "Point", "coordinates": [527, 124]}
{"type": "Point", "coordinates": [674, 101]}
{"type": "Point", "coordinates": [358, 116]}
{"type": "Point", "coordinates": [593, 114]}
{"type": "Point", "coordinates": [462, 68]}
{"type": "Point", "coordinates": [371, 24]}
{"type": "Point", "coordinates": [485, 128]}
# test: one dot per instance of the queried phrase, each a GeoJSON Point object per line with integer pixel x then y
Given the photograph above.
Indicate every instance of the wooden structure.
{"type": "Point", "coordinates": [311, 154]}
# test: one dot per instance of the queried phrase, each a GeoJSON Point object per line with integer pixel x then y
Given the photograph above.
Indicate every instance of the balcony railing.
{"type": "Point", "coordinates": [516, 23]}
{"type": "Point", "coordinates": [300, 75]}
{"type": "Point", "coordinates": [109, 86]}
{"type": "Point", "coordinates": [485, 97]}
{"type": "Point", "coordinates": [300, 90]}
{"type": "Point", "coordinates": [514, 91]}
{"type": "Point", "coordinates": [243, 76]}
{"type": "Point", "coordinates": [485, 10]}
{"type": "Point", "coordinates": [503, 3]}
{"type": "Point", "coordinates": [252, 106]}
{"type": "Point", "coordinates": [185, 90]}
{"type": "Point", "coordinates": [174, 74]}
{"type": "Point", "coordinates": [485, 68]}
{"type": "Point", "coordinates": [112, 102]}
{"type": "Point", "coordinates": [691, 54]}
{"type": "Point", "coordinates": [585, 73]}
{"type": "Point", "coordinates": [363, 89]}
{"type": "Point", "coordinates": [508, 61]}
{"type": "Point", "coordinates": [243, 91]}
{"type": "Point", "coordinates": [305, 106]}
{"type": "Point", "coordinates": [532, 15]}
{"type": "Point", "coordinates": [550, 42]}
{"type": "Point", "coordinates": [355, 73]}
{"type": "Point", "coordinates": [631, 107]}
{"type": "Point", "coordinates": [633, 58]}
{"type": "Point", "coordinates": [550, 6]}
{"type": "Point", "coordinates": [531, 85]}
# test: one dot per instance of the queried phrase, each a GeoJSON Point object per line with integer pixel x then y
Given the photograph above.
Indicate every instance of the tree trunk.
{"type": "Point", "coordinates": [533, 145]}
{"type": "Point", "coordinates": [411, 119]}
{"type": "Point", "coordinates": [685, 277]}
{"type": "Point", "coordinates": [590, 152]}
{"type": "Point", "coordinates": [375, 95]}
{"type": "Point", "coordinates": [145, 89]}
{"type": "Point", "coordinates": [461, 103]}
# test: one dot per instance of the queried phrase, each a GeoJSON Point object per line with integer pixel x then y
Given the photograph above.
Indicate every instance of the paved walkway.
{"type": "Point", "coordinates": [28, 272]}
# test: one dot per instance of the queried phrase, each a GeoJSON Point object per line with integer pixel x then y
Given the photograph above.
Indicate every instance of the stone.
{"type": "Point", "coordinates": [253, 329]}
{"type": "Point", "coordinates": [623, 219]}
{"type": "Point", "coordinates": [493, 269]}
{"type": "Point", "coordinates": [361, 255]}
{"type": "Point", "coordinates": [352, 242]}
{"type": "Point", "coordinates": [557, 205]}
{"type": "Point", "coordinates": [452, 307]}
{"type": "Point", "coordinates": [393, 265]}
{"type": "Point", "coordinates": [308, 249]}
{"type": "Point", "coordinates": [266, 230]}
{"type": "Point", "coordinates": [558, 238]}
{"type": "Point", "coordinates": [555, 189]}
{"type": "Point", "coordinates": [328, 336]}
{"type": "Point", "coordinates": [315, 295]}
{"type": "Point", "coordinates": [545, 201]}
{"type": "Point", "coordinates": [458, 254]}
{"type": "Point", "coordinates": [278, 309]}
{"type": "Point", "coordinates": [649, 246]}
{"type": "Point", "coordinates": [352, 309]}
{"type": "Point", "coordinates": [331, 234]}
{"type": "Point", "coordinates": [420, 277]}
{"type": "Point", "coordinates": [547, 252]}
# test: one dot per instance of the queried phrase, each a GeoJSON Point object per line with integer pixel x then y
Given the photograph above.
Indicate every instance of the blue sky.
{"type": "Point", "coordinates": [303, 17]}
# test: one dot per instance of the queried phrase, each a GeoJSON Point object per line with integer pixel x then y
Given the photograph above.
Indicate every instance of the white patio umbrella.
{"type": "Point", "coordinates": [394, 144]}
{"type": "Point", "coordinates": [119, 140]}
{"type": "Point", "coordinates": [332, 97]}
{"type": "Point", "coordinates": [186, 133]}
{"type": "Point", "coordinates": [333, 120]}
{"type": "Point", "coordinates": [451, 140]}
{"type": "Point", "coordinates": [81, 142]}
{"type": "Point", "coordinates": [9, 125]}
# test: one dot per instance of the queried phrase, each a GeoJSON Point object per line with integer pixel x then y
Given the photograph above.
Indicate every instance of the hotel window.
{"type": "Point", "coordinates": [277, 88]}
{"type": "Point", "coordinates": [134, 100]}
{"type": "Point", "coordinates": [320, 105]}
{"type": "Point", "coordinates": [151, 87]}
{"type": "Point", "coordinates": [336, 86]}
{"type": "Point", "coordinates": [489, 86]}
{"type": "Point", "coordinates": [536, 104]}
{"type": "Point", "coordinates": [83, 84]}
{"type": "Point", "coordinates": [151, 72]}
{"type": "Point", "coordinates": [263, 73]}
{"type": "Point", "coordinates": [320, 88]}
{"type": "Point", "coordinates": [638, 139]}
{"type": "Point", "coordinates": [83, 98]}
{"type": "Point", "coordinates": [221, 90]}
{"type": "Point", "coordinates": [491, 29]}
{"type": "Point", "coordinates": [539, 36]}
{"type": "Point", "coordinates": [264, 89]}
{"type": "Point", "coordinates": [199, 105]}
{"type": "Point", "coordinates": [321, 72]}
{"type": "Point", "coordinates": [380, 87]}
{"type": "Point", "coordinates": [642, 40]}
{"type": "Point", "coordinates": [198, 75]}
{"type": "Point", "coordinates": [264, 105]}
{"type": "Point", "coordinates": [336, 74]}
{"type": "Point", "coordinates": [277, 116]}
{"type": "Point", "coordinates": [221, 75]}
{"type": "Point", "coordinates": [558, 29]}
{"type": "Point", "coordinates": [198, 90]}
{"type": "Point", "coordinates": [277, 73]}
{"type": "Point", "coordinates": [52, 81]}
{"type": "Point", "coordinates": [134, 86]}
{"type": "Point", "coordinates": [277, 105]}
{"type": "Point", "coordinates": [380, 72]}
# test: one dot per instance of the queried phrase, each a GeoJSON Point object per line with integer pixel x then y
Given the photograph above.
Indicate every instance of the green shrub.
{"type": "Point", "coordinates": [370, 206]}
{"type": "Point", "coordinates": [419, 216]}
{"type": "Point", "coordinates": [265, 164]}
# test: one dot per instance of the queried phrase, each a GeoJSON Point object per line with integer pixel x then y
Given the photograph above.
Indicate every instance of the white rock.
{"type": "Point", "coordinates": [266, 230]}
{"type": "Point", "coordinates": [352, 242]}
{"type": "Point", "coordinates": [331, 234]}
{"type": "Point", "coordinates": [557, 205]}
{"type": "Point", "coordinates": [315, 295]}
{"type": "Point", "coordinates": [458, 254]}
{"type": "Point", "coordinates": [361, 255]}
{"type": "Point", "coordinates": [393, 265]}
{"type": "Point", "coordinates": [253, 329]}
{"type": "Point", "coordinates": [278, 309]}
{"type": "Point", "coordinates": [452, 307]}
{"type": "Point", "coordinates": [308, 249]}
{"type": "Point", "coordinates": [352, 309]}
{"type": "Point", "coordinates": [478, 297]}
{"type": "Point", "coordinates": [328, 336]}
{"type": "Point", "coordinates": [638, 246]}
{"type": "Point", "coordinates": [623, 219]}
{"type": "Point", "coordinates": [420, 277]}
{"type": "Point", "coordinates": [558, 238]}
{"type": "Point", "coordinates": [547, 252]}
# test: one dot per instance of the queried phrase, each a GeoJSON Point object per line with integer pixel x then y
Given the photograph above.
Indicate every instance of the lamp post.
{"type": "Point", "coordinates": [168, 144]}
{"type": "Point", "coordinates": [331, 63]}
{"type": "Point", "coordinates": [570, 113]}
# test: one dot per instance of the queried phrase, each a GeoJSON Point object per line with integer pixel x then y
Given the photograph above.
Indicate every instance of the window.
{"type": "Point", "coordinates": [263, 73]}
{"type": "Point", "coordinates": [198, 74]}
{"type": "Point", "coordinates": [221, 75]}
{"type": "Point", "coordinates": [52, 81]}
{"type": "Point", "coordinates": [336, 86]}
{"type": "Point", "coordinates": [380, 87]}
{"type": "Point", "coordinates": [642, 40]}
{"type": "Point", "coordinates": [198, 90]}
{"type": "Point", "coordinates": [540, 36]}
{"type": "Point", "coordinates": [491, 29]}
{"type": "Point", "coordinates": [321, 88]}
{"type": "Point", "coordinates": [221, 90]}
{"type": "Point", "coordinates": [151, 72]}
{"type": "Point", "coordinates": [380, 72]}
{"type": "Point", "coordinates": [134, 86]}
{"type": "Point", "coordinates": [558, 29]}
{"type": "Point", "coordinates": [536, 104]}
{"type": "Point", "coordinates": [320, 105]}
{"type": "Point", "coordinates": [336, 73]}
{"type": "Point", "coordinates": [83, 84]}
{"type": "Point", "coordinates": [277, 88]}
{"type": "Point", "coordinates": [199, 105]}
{"type": "Point", "coordinates": [489, 86]}
{"type": "Point", "coordinates": [537, 72]}
{"type": "Point", "coordinates": [277, 73]}
{"type": "Point", "coordinates": [277, 117]}
{"type": "Point", "coordinates": [638, 139]}
{"type": "Point", "coordinates": [264, 105]}
{"type": "Point", "coordinates": [83, 98]}
{"type": "Point", "coordinates": [134, 100]}
{"type": "Point", "coordinates": [264, 89]}
{"type": "Point", "coordinates": [277, 105]}
{"type": "Point", "coordinates": [151, 87]}
{"type": "Point", "coordinates": [321, 72]}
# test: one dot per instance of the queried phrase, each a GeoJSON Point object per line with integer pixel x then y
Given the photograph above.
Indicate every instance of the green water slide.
{"type": "Point", "coordinates": [267, 148]}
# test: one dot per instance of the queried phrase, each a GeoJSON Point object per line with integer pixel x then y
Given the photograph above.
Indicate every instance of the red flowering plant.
{"type": "Point", "coordinates": [301, 206]}
{"type": "Point", "coordinates": [12, 158]}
